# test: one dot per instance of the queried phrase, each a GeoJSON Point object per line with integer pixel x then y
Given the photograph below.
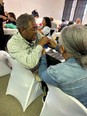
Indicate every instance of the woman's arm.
{"type": "Point", "coordinates": [43, 72]}
{"type": "Point", "coordinates": [3, 17]}
{"type": "Point", "coordinates": [53, 44]}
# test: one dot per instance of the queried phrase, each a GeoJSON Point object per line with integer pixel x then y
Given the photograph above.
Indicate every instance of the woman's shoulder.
{"type": "Point", "coordinates": [56, 68]}
{"type": "Point", "coordinates": [60, 67]}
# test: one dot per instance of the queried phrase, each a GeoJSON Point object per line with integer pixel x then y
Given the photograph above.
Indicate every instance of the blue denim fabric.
{"type": "Point", "coordinates": [68, 76]}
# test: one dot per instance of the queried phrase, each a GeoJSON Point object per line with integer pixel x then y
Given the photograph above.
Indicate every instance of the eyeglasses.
{"type": "Point", "coordinates": [33, 28]}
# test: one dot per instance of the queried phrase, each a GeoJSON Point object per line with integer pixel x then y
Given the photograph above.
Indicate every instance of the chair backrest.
{"type": "Point", "coordinates": [21, 73]}
{"type": "Point", "coordinates": [22, 84]}
{"type": "Point", "coordinates": [5, 65]}
{"type": "Point", "coordinates": [58, 103]}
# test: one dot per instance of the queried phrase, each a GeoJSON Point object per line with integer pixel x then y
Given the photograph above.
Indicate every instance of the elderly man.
{"type": "Point", "coordinates": [27, 44]}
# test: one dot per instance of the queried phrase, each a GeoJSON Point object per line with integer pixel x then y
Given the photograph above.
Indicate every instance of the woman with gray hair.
{"type": "Point", "coordinates": [74, 40]}
{"type": "Point", "coordinates": [71, 75]}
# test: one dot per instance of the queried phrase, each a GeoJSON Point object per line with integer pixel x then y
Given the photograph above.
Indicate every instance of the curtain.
{"type": "Point", "coordinates": [79, 11]}
{"type": "Point", "coordinates": [67, 9]}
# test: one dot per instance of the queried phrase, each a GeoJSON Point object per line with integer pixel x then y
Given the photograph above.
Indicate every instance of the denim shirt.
{"type": "Point", "coordinates": [69, 76]}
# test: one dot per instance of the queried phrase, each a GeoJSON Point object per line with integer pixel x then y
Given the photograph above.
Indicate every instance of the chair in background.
{"type": "Point", "coordinates": [22, 85]}
{"type": "Point", "coordinates": [58, 103]}
{"type": "Point", "coordinates": [5, 68]}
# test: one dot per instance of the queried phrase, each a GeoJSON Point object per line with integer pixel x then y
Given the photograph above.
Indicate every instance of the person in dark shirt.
{"type": "Point", "coordinates": [2, 17]}
{"type": "Point", "coordinates": [11, 18]}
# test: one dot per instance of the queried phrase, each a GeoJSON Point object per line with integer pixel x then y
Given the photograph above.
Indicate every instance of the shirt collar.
{"type": "Point", "coordinates": [31, 44]}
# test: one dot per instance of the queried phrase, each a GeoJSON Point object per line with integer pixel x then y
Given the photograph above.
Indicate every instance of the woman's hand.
{"type": "Point", "coordinates": [43, 41]}
{"type": "Point", "coordinates": [52, 43]}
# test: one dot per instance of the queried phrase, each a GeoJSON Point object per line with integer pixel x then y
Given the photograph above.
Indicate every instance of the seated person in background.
{"type": "Point", "coordinates": [35, 13]}
{"type": "Point", "coordinates": [70, 23]}
{"type": "Point", "coordinates": [78, 21]}
{"type": "Point", "coordinates": [11, 21]}
{"type": "Point", "coordinates": [71, 75]}
{"type": "Point", "coordinates": [11, 18]}
{"type": "Point", "coordinates": [46, 22]}
{"type": "Point", "coordinates": [53, 24]}
{"type": "Point", "coordinates": [37, 19]}
{"type": "Point", "coordinates": [62, 25]}
{"type": "Point", "coordinates": [26, 46]}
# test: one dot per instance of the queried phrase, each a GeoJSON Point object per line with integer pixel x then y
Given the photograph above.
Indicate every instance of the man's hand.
{"type": "Point", "coordinates": [43, 41]}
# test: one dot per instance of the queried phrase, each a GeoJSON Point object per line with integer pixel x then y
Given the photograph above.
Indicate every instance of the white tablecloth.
{"type": "Point", "coordinates": [8, 31]}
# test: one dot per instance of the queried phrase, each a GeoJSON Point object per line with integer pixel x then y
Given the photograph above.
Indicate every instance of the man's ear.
{"type": "Point", "coordinates": [62, 49]}
{"type": "Point", "coordinates": [22, 29]}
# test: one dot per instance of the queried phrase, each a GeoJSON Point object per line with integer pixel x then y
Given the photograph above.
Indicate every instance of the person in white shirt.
{"type": "Point", "coordinates": [46, 22]}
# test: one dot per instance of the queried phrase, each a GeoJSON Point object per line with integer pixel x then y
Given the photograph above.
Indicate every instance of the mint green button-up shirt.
{"type": "Point", "coordinates": [24, 52]}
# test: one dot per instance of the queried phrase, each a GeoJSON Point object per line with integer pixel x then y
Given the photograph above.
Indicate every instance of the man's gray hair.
{"type": "Point", "coordinates": [74, 39]}
{"type": "Point", "coordinates": [23, 21]}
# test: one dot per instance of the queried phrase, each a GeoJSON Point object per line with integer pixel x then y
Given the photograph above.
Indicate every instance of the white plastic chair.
{"type": "Point", "coordinates": [22, 85]}
{"type": "Point", "coordinates": [4, 64]}
{"type": "Point", "coordinates": [58, 103]}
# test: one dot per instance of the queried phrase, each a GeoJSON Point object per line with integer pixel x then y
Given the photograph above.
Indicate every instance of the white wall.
{"type": "Point", "coordinates": [44, 7]}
